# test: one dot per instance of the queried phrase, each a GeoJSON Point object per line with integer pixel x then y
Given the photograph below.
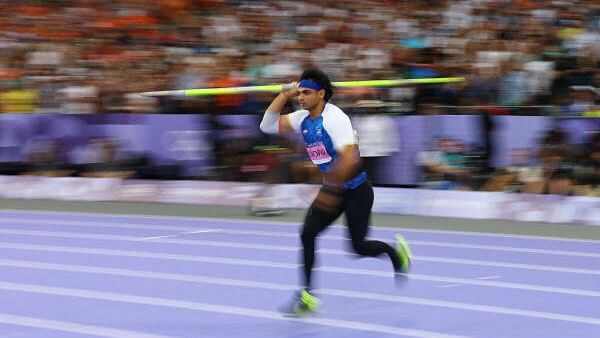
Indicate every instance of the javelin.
{"type": "Point", "coordinates": [276, 88]}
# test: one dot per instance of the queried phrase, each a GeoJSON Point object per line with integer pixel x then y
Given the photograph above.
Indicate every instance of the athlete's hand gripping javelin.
{"type": "Point", "coordinates": [290, 89]}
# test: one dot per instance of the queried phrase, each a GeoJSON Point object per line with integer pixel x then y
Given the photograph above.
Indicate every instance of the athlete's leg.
{"type": "Point", "coordinates": [323, 211]}
{"type": "Point", "coordinates": [357, 205]}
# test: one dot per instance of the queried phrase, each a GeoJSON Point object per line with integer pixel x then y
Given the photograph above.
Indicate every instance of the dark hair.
{"type": "Point", "coordinates": [321, 78]}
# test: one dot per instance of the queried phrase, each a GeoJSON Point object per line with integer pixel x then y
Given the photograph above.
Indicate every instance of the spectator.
{"type": "Point", "coordinates": [587, 170]}
{"type": "Point", "coordinates": [377, 136]}
{"type": "Point", "coordinates": [523, 175]}
{"type": "Point", "coordinates": [102, 159]}
{"type": "Point", "coordinates": [19, 99]}
{"type": "Point", "coordinates": [45, 158]}
{"type": "Point", "coordinates": [444, 165]}
{"type": "Point", "coordinates": [582, 99]}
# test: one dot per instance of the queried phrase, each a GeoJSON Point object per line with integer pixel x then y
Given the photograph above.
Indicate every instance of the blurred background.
{"type": "Point", "coordinates": [526, 118]}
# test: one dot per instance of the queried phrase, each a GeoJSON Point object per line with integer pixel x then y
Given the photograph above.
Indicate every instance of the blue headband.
{"type": "Point", "coordinates": [309, 84]}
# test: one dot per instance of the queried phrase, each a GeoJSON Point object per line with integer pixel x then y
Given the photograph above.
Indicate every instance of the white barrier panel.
{"type": "Point", "coordinates": [440, 203]}
{"type": "Point", "coordinates": [489, 205]}
{"type": "Point", "coordinates": [422, 202]}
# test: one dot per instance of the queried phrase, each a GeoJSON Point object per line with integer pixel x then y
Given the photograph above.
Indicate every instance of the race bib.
{"type": "Point", "coordinates": [318, 154]}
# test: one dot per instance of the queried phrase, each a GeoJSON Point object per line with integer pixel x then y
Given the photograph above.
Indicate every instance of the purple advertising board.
{"type": "Point", "coordinates": [187, 140]}
{"type": "Point", "coordinates": [509, 133]}
{"type": "Point", "coordinates": [165, 139]}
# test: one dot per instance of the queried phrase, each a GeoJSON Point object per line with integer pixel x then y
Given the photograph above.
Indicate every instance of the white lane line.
{"type": "Point", "coordinates": [56, 325]}
{"type": "Point", "coordinates": [429, 243]}
{"type": "Point", "coordinates": [448, 286]}
{"type": "Point", "coordinates": [125, 216]}
{"type": "Point", "coordinates": [214, 308]}
{"type": "Point", "coordinates": [509, 265]}
{"type": "Point", "coordinates": [94, 224]}
{"type": "Point", "coordinates": [295, 249]}
{"type": "Point", "coordinates": [331, 269]}
{"type": "Point", "coordinates": [289, 288]}
{"type": "Point", "coordinates": [453, 280]}
{"type": "Point", "coordinates": [488, 277]}
{"type": "Point", "coordinates": [332, 237]}
{"type": "Point", "coordinates": [16, 334]}
{"type": "Point", "coordinates": [507, 249]}
{"type": "Point", "coordinates": [463, 306]}
{"type": "Point", "coordinates": [178, 234]}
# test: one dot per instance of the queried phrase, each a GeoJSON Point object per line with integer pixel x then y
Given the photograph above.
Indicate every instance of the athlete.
{"type": "Point", "coordinates": [331, 145]}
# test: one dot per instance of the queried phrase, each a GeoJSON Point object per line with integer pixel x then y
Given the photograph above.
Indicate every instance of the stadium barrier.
{"type": "Point", "coordinates": [422, 202]}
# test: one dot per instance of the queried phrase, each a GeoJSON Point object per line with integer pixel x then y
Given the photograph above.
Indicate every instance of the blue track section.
{"type": "Point", "coordinates": [69, 274]}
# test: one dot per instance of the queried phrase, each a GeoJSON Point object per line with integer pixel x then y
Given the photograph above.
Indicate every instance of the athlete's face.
{"type": "Point", "coordinates": [309, 98]}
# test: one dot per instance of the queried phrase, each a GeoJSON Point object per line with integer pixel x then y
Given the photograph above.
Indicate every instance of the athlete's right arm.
{"type": "Point", "coordinates": [273, 122]}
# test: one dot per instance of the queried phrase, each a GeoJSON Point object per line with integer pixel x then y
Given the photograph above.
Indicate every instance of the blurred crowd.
{"type": "Point", "coordinates": [89, 56]}
{"type": "Point", "coordinates": [516, 56]}
{"type": "Point", "coordinates": [555, 167]}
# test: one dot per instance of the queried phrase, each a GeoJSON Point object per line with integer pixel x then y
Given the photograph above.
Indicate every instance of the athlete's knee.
{"type": "Point", "coordinates": [308, 234]}
{"type": "Point", "coordinates": [316, 220]}
{"type": "Point", "coordinates": [360, 247]}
